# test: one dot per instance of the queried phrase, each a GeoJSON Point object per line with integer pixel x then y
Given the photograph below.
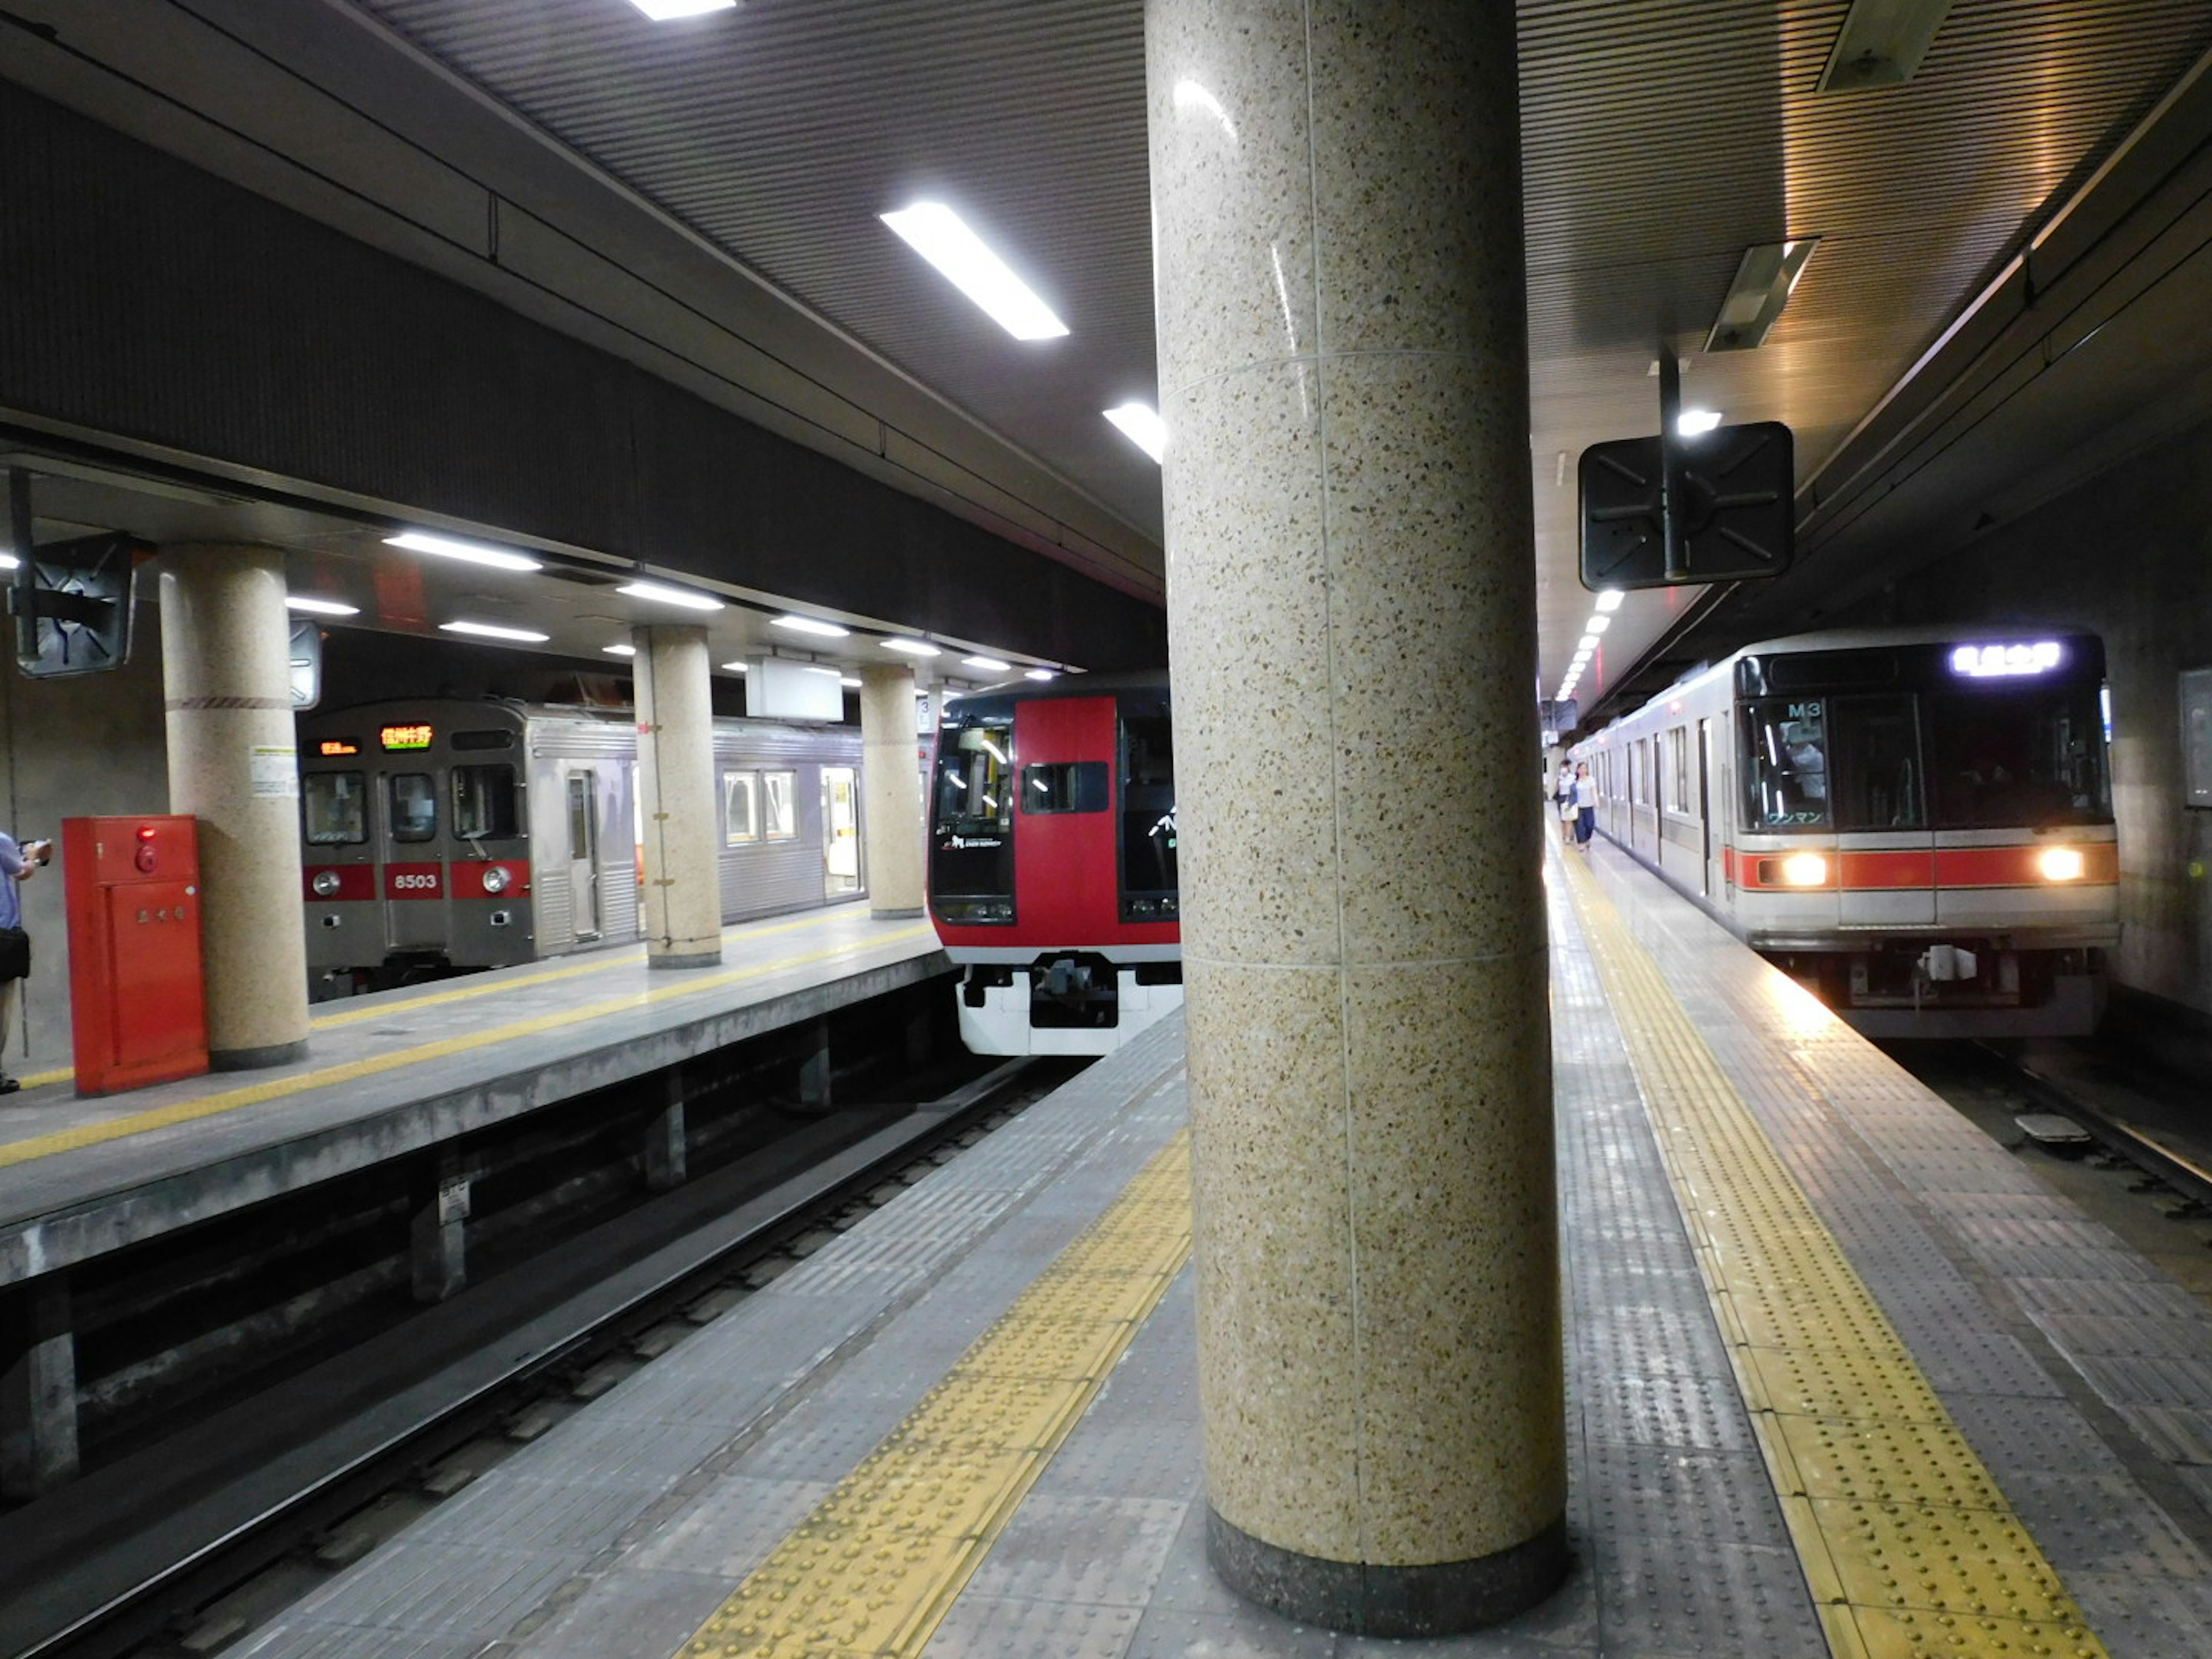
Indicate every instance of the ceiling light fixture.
{"type": "Point", "coordinates": [619, 650]}
{"type": "Point", "coordinates": [817, 668]}
{"type": "Point", "coordinates": [1610, 598]}
{"type": "Point", "coordinates": [1765, 277]}
{"type": "Point", "coordinates": [992, 663]}
{"type": "Point", "coordinates": [667, 11]}
{"type": "Point", "coordinates": [661, 594]}
{"type": "Point", "coordinates": [492, 631]}
{"type": "Point", "coordinates": [313, 607]}
{"type": "Point", "coordinates": [1695, 422]}
{"type": "Point", "coordinates": [1597, 624]}
{"type": "Point", "coordinates": [9, 562]}
{"type": "Point", "coordinates": [913, 647]}
{"type": "Point", "coordinates": [1881, 43]}
{"type": "Point", "coordinates": [1142, 426]}
{"type": "Point", "coordinates": [808, 625]}
{"type": "Point", "coordinates": [445, 547]}
{"type": "Point", "coordinates": [942, 237]}
{"type": "Point", "coordinates": [1039, 674]}
{"type": "Point", "coordinates": [1588, 642]}
{"type": "Point", "coordinates": [738, 667]}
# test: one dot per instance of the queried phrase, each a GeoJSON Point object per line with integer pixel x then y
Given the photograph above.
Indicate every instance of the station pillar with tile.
{"type": "Point", "coordinates": [892, 804]}
{"type": "Point", "coordinates": [1352, 617]}
{"type": "Point", "coordinates": [678, 817]}
{"type": "Point", "coordinates": [233, 765]}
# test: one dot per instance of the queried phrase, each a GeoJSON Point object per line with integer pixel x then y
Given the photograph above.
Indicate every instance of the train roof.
{"type": "Point", "coordinates": [1850, 639]}
{"type": "Point", "coordinates": [1070, 685]}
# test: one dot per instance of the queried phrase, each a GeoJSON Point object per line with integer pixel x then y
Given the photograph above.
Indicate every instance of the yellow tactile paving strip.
{"type": "Point", "coordinates": [1908, 1544]}
{"type": "Point", "coordinates": [599, 961]}
{"type": "Point", "coordinates": [873, 1571]}
{"type": "Point", "coordinates": [229, 1100]}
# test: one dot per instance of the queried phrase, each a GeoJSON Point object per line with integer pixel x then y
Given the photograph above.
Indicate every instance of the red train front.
{"type": "Point", "coordinates": [1052, 862]}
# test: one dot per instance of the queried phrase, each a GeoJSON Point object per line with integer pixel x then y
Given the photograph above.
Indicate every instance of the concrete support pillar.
{"type": "Point", "coordinates": [1343, 372]}
{"type": "Point", "coordinates": [38, 1388]}
{"type": "Point", "coordinates": [226, 682]}
{"type": "Point", "coordinates": [891, 801]}
{"type": "Point", "coordinates": [665, 1137]}
{"type": "Point", "coordinates": [682, 910]}
{"type": "Point", "coordinates": [438, 1230]}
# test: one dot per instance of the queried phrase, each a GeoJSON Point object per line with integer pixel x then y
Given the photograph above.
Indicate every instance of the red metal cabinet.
{"type": "Point", "coordinates": [138, 1004]}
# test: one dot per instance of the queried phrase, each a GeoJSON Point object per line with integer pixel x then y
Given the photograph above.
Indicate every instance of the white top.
{"type": "Point", "coordinates": [1585, 791]}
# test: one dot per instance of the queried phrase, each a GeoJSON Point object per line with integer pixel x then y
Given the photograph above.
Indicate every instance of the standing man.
{"type": "Point", "coordinates": [16, 864]}
{"type": "Point", "coordinates": [1585, 805]}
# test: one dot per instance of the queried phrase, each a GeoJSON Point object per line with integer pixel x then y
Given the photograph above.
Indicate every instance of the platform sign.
{"type": "Point", "coordinates": [71, 600]}
{"type": "Point", "coordinates": [1735, 517]}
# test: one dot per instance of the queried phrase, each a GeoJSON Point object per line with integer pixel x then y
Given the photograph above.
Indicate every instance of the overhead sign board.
{"type": "Point", "coordinates": [1733, 518]}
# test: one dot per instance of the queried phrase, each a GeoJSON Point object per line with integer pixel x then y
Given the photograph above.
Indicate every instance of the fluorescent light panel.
{"type": "Point", "coordinates": [1881, 43]}
{"type": "Point", "coordinates": [913, 647]}
{"type": "Point", "coordinates": [738, 667]}
{"type": "Point", "coordinates": [991, 663]}
{"type": "Point", "coordinates": [445, 547]}
{"type": "Point", "coordinates": [1610, 598]}
{"type": "Point", "coordinates": [661, 594]}
{"type": "Point", "coordinates": [1040, 674]}
{"type": "Point", "coordinates": [1765, 278]}
{"type": "Point", "coordinates": [492, 631]}
{"type": "Point", "coordinates": [1695, 422]}
{"type": "Point", "coordinates": [808, 625]}
{"type": "Point", "coordinates": [313, 607]}
{"type": "Point", "coordinates": [942, 237]}
{"type": "Point", "coordinates": [667, 11]}
{"type": "Point", "coordinates": [846, 680]}
{"type": "Point", "coordinates": [1598, 623]}
{"type": "Point", "coordinates": [1142, 426]}
{"type": "Point", "coordinates": [619, 650]}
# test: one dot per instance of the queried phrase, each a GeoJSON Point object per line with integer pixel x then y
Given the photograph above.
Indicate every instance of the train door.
{"type": "Point", "coordinates": [1708, 805]}
{"type": "Point", "coordinates": [841, 832]}
{"type": "Point", "coordinates": [1886, 853]}
{"type": "Point", "coordinates": [414, 867]}
{"type": "Point", "coordinates": [580, 791]}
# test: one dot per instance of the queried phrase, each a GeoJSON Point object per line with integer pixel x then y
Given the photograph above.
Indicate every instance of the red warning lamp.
{"type": "Point", "coordinates": [145, 860]}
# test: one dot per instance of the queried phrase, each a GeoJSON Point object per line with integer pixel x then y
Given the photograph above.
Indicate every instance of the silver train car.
{"type": "Point", "coordinates": [1914, 823]}
{"type": "Point", "coordinates": [441, 835]}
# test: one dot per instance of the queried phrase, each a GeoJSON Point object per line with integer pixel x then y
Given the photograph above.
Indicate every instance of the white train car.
{"type": "Point", "coordinates": [441, 835]}
{"type": "Point", "coordinates": [1914, 823]}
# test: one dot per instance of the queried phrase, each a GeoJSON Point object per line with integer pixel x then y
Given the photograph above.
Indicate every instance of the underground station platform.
{"type": "Point", "coordinates": [1843, 1377]}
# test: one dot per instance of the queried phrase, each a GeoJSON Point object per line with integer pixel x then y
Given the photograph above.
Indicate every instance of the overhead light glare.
{"type": "Point", "coordinates": [619, 650]}
{"type": "Point", "coordinates": [1039, 674]}
{"type": "Point", "coordinates": [1695, 422]}
{"type": "Point", "coordinates": [1142, 426]}
{"type": "Point", "coordinates": [942, 237]}
{"type": "Point", "coordinates": [1598, 624]}
{"type": "Point", "coordinates": [492, 631]}
{"type": "Point", "coordinates": [1588, 642]}
{"type": "Point", "coordinates": [445, 547]}
{"type": "Point", "coordinates": [295, 602]}
{"type": "Point", "coordinates": [1610, 598]}
{"type": "Point", "coordinates": [667, 11]}
{"type": "Point", "coordinates": [991, 663]}
{"type": "Point", "coordinates": [1765, 277]}
{"type": "Point", "coordinates": [808, 625]}
{"type": "Point", "coordinates": [913, 647]}
{"type": "Point", "coordinates": [1881, 43]}
{"type": "Point", "coordinates": [661, 594]}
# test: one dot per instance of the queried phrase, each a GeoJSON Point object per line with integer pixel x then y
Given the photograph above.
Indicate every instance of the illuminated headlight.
{"type": "Point", "coordinates": [326, 883]}
{"type": "Point", "coordinates": [494, 880]}
{"type": "Point", "coordinates": [1804, 869]}
{"type": "Point", "coordinates": [2059, 864]}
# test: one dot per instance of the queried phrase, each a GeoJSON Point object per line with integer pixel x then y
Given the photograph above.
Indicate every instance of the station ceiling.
{"type": "Point", "coordinates": [702, 195]}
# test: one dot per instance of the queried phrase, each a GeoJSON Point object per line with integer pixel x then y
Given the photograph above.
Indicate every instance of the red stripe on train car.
{"type": "Point", "coordinates": [1888, 870]}
{"type": "Point", "coordinates": [356, 881]}
{"type": "Point", "coordinates": [2018, 867]}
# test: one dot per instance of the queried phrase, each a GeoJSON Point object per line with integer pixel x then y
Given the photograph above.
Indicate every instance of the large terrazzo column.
{"type": "Point", "coordinates": [1337, 224]}
{"type": "Point", "coordinates": [890, 800]}
{"type": "Point", "coordinates": [227, 686]}
{"type": "Point", "coordinates": [680, 911]}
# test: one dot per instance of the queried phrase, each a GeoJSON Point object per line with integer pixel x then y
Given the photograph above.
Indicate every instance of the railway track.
{"type": "Point", "coordinates": [177, 1550]}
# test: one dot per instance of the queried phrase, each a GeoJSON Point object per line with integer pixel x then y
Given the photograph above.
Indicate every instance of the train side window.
{"type": "Point", "coordinates": [484, 803]}
{"type": "Point", "coordinates": [334, 806]}
{"type": "Point", "coordinates": [740, 808]}
{"type": "Point", "coordinates": [1063, 786]}
{"type": "Point", "coordinates": [412, 798]}
{"type": "Point", "coordinates": [780, 799]}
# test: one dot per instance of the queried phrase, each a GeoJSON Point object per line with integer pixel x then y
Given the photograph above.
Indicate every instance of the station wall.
{"type": "Point", "coordinates": [2129, 555]}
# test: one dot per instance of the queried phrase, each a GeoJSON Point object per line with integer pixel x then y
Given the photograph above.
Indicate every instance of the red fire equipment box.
{"type": "Point", "coordinates": [137, 999]}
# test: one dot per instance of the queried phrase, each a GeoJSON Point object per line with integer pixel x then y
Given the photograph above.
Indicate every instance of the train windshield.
{"type": "Point", "coordinates": [974, 780]}
{"type": "Point", "coordinates": [1967, 760]}
{"type": "Point", "coordinates": [1149, 882]}
{"type": "Point", "coordinates": [971, 848]}
{"type": "Point", "coordinates": [334, 806]}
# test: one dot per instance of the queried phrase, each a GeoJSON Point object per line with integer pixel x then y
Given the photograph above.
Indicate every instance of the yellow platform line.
{"type": "Point", "coordinates": [871, 1573]}
{"type": "Point", "coordinates": [1908, 1545]}
{"type": "Point", "coordinates": [689, 984]}
{"type": "Point", "coordinates": [601, 962]}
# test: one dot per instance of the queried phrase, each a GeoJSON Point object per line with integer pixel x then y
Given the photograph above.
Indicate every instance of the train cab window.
{"type": "Point", "coordinates": [740, 808]}
{"type": "Point", "coordinates": [780, 805]}
{"type": "Point", "coordinates": [484, 803]}
{"type": "Point", "coordinates": [1149, 878]}
{"type": "Point", "coordinates": [1063, 786]}
{"type": "Point", "coordinates": [1786, 774]}
{"type": "Point", "coordinates": [974, 793]}
{"type": "Point", "coordinates": [484, 740]}
{"type": "Point", "coordinates": [1875, 779]}
{"type": "Point", "coordinates": [334, 808]}
{"type": "Point", "coordinates": [2030, 755]}
{"type": "Point", "coordinates": [412, 800]}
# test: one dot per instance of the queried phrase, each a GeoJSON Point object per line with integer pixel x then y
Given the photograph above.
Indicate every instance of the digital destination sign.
{"type": "Point", "coordinates": [329, 746]}
{"type": "Point", "coordinates": [395, 737]}
{"type": "Point", "coordinates": [1987, 662]}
